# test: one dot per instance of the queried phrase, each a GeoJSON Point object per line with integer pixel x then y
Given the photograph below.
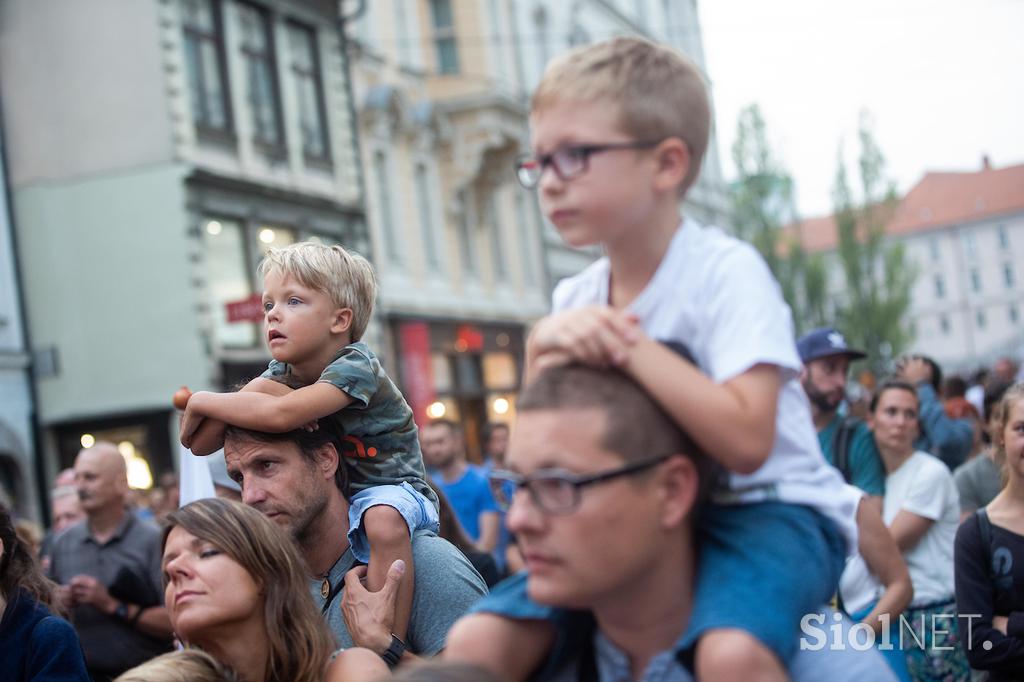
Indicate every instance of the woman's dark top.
{"type": "Point", "coordinates": [990, 582]}
{"type": "Point", "coordinates": [36, 646]}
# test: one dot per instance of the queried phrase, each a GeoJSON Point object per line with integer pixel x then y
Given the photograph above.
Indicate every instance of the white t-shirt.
{"type": "Point", "coordinates": [858, 586]}
{"type": "Point", "coordinates": [924, 486]}
{"type": "Point", "coordinates": [715, 294]}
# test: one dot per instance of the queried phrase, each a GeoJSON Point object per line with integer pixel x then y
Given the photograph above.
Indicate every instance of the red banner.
{"type": "Point", "coordinates": [247, 310]}
{"type": "Point", "coordinates": [417, 370]}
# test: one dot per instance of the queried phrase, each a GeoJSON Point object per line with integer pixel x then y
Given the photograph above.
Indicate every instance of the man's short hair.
{"type": "Point", "coordinates": [308, 443]}
{"type": "Point", "coordinates": [635, 426]}
{"type": "Point", "coordinates": [659, 92]}
{"type": "Point", "coordinates": [344, 275]}
{"type": "Point", "coordinates": [453, 427]}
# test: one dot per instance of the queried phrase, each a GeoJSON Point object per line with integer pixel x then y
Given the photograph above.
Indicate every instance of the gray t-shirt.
{"type": "Point", "coordinates": [129, 561]}
{"type": "Point", "coordinates": [446, 586]}
{"type": "Point", "coordinates": [834, 664]}
{"type": "Point", "coordinates": [979, 481]}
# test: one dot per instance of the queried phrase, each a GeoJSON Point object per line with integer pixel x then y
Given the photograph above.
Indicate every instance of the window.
{"type": "Point", "coordinates": [944, 325]}
{"type": "Point", "coordinates": [524, 232]}
{"type": "Point", "coordinates": [387, 223]}
{"type": "Point", "coordinates": [940, 287]}
{"type": "Point", "coordinates": [1008, 278]}
{"type": "Point", "coordinates": [1004, 238]}
{"type": "Point", "coordinates": [444, 37]}
{"type": "Point", "coordinates": [1014, 314]}
{"type": "Point", "coordinates": [979, 317]}
{"type": "Point", "coordinates": [204, 62]}
{"type": "Point", "coordinates": [309, 91]}
{"type": "Point", "coordinates": [272, 236]}
{"type": "Point", "coordinates": [970, 244]}
{"type": "Point", "coordinates": [227, 280]}
{"type": "Point", "coordinates": [494, 227]}
{"type": "Point", "coordinates": [426, 211]}
{"type": "Point", "coordinates": [261, 80]}
{"type": "Point", "coordinates": [933, 247]}
{"type": "Point", "coordinates": [466, 241]}
{"type": "Point", "coordinates": [975, 280]}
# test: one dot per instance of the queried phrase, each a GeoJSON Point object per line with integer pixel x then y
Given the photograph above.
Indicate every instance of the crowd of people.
{"type": "Point", "coordinates": [686, 492]}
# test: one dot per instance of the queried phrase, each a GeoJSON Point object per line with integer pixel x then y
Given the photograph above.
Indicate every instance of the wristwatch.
{"type": "Point", "coordinates": [121, 611]}
{"type": "Point", "coordinates": [394, 652]}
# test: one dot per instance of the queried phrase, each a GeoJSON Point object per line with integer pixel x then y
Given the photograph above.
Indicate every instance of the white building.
{"type": "Point", "coordinates": [155, 148]}
{"type": "Point", "coordinates": [964, 235]}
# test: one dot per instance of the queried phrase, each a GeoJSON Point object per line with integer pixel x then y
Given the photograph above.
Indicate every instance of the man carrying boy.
{"type": "Point", "coordinates": [618, 131]}
{"type": "Point", "coordinates": [317, 301]}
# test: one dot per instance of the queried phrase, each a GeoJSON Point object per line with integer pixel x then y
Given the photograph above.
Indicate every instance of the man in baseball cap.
{"type": "Point", "coordinates": [846, 442]}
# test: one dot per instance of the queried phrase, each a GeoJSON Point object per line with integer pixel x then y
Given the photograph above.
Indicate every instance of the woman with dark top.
{"type": "Point", "coordinates": [35, 645]}
{"type": "Point", "coordinates": [989, 558]}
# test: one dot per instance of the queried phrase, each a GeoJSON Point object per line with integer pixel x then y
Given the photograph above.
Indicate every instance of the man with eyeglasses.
{"type": "Point", "coordinates": [602, 489]}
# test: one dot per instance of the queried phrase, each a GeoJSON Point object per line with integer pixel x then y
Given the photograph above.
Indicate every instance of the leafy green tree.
{"type": "Point", "coordinates": [762, 203]}
{"type": "Point", "coordinates": [878, 277]}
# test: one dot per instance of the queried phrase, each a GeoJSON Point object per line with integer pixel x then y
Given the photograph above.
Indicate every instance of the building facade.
{"type": "Point", "coordinates": [153, 158]}
{"type": "Point", "coordinates": [18, 463]}
{"type": "Point", "coordinates": [963, 234]}
{"type": "Point", "coordinates": [458, 242]}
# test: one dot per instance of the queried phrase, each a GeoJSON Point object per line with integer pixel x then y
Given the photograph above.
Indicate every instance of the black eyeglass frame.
{"type": "Point", "coordinates": [499, 477]}
{"type": "Point", "coordinates": [583, 151]}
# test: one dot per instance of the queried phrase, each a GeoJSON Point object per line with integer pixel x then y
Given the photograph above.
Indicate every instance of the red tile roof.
{"type": "Point", "coordinates": [937, 200]}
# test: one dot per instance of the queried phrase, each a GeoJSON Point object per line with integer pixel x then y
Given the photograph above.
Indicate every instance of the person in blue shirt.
{"type": "Point", "coordinates": [948, 439]}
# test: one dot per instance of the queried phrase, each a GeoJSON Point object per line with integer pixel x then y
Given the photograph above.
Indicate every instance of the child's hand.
{"type": "Point", "coordinates": [190, 421]}
{"type": "Point", "coordinates": [594, 335]}
{"type": "Point", "coordinates": [311, 425]}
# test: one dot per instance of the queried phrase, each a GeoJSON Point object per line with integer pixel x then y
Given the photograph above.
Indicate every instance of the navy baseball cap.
{"type": "Point", "coordinates": [825, 342]}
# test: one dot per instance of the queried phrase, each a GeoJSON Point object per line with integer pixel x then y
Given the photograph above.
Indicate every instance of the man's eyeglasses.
{"type": "Point", "coordinates": [568, 162]}
{"type": "Point", "coordinates": [557, 492]}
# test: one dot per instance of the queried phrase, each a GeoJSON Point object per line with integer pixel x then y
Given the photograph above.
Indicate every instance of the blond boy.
{"type": "Point", "coordinates": [317, 302]}
{"type": "Point", "coordinates": [618, 133]}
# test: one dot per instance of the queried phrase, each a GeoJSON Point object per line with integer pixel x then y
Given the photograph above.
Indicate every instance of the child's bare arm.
{"type": "Point", "coordinates": [511, 649]}
{"type": "Point", "coordinates": [733, 422]}
{"type": "Point", "coordinates": [270, 413]}
{"type": "Point", "coordinates": [209, 436]}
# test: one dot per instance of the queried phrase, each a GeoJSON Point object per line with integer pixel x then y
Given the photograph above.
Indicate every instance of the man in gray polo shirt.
{"type": "Point", "coordinates": [108, 568]}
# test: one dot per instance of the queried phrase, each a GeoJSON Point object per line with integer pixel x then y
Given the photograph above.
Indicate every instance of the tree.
{"type": "Point", "coordinates": [762, 203]}
{"type": "Point", "coordinates": [877, 275]}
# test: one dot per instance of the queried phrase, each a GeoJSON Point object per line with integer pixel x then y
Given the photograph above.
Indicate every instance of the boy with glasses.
{"type": "Point", "coordinates": [618, 131]}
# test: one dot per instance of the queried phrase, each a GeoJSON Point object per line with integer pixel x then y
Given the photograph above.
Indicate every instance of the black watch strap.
{"type": "Point", "coordinates": [394, 651]}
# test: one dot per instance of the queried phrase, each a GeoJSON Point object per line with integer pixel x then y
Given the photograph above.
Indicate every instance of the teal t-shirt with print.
{"type": "Point", "coordinates": [381, 445]}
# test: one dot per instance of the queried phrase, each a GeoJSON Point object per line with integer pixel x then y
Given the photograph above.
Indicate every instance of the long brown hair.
{"type": "Point", "coordinates": [19, 568]}
{"type": "Point", "coordinates": [300, 642]}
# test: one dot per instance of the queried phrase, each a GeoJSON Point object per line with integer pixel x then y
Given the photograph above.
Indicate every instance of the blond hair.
{"type": "Point", "coordinates": [299, 641]}
{"type": "Point", "coordinates": [659, 92]}
{"type": "Point", "coordinates": [1000, 417]}
{"type": "Point", "coordinates": [344, 275]}
{"type": "Point", "coordinates": [190, 665]}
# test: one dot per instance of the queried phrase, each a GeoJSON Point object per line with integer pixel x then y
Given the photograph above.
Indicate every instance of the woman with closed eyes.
{"type": "Point", "coordinates": [236, 588]}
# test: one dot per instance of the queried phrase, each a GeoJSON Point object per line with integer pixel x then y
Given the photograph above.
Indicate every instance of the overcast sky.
{"type": "Point", "coordinates": [943, 80]}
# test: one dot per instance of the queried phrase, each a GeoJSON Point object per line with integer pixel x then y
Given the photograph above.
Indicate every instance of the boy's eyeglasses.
{"type": "Point", "coordinates": [568, 162]}
{"type": "Point", "coordinates": [557, 492]}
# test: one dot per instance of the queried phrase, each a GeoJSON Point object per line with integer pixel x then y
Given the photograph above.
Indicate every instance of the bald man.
{"type": "Point", "coordinates": [108, 567]}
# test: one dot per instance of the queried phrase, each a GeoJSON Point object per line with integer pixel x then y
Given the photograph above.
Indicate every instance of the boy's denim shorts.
{"type": "Point", "coordinates": [761, 567]}
{"type": "Point", "coordinates": [419, 513]}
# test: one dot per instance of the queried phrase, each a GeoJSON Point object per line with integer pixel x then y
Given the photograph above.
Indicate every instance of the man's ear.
{"type": "Point", "coordinates": [342, 320]}
{"type": "Point", "coordinates": [680, 482]}
{"type": "Point", "coordinates": [673, 163]}
{"type": "Point", "coordinates": [327, 460]}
